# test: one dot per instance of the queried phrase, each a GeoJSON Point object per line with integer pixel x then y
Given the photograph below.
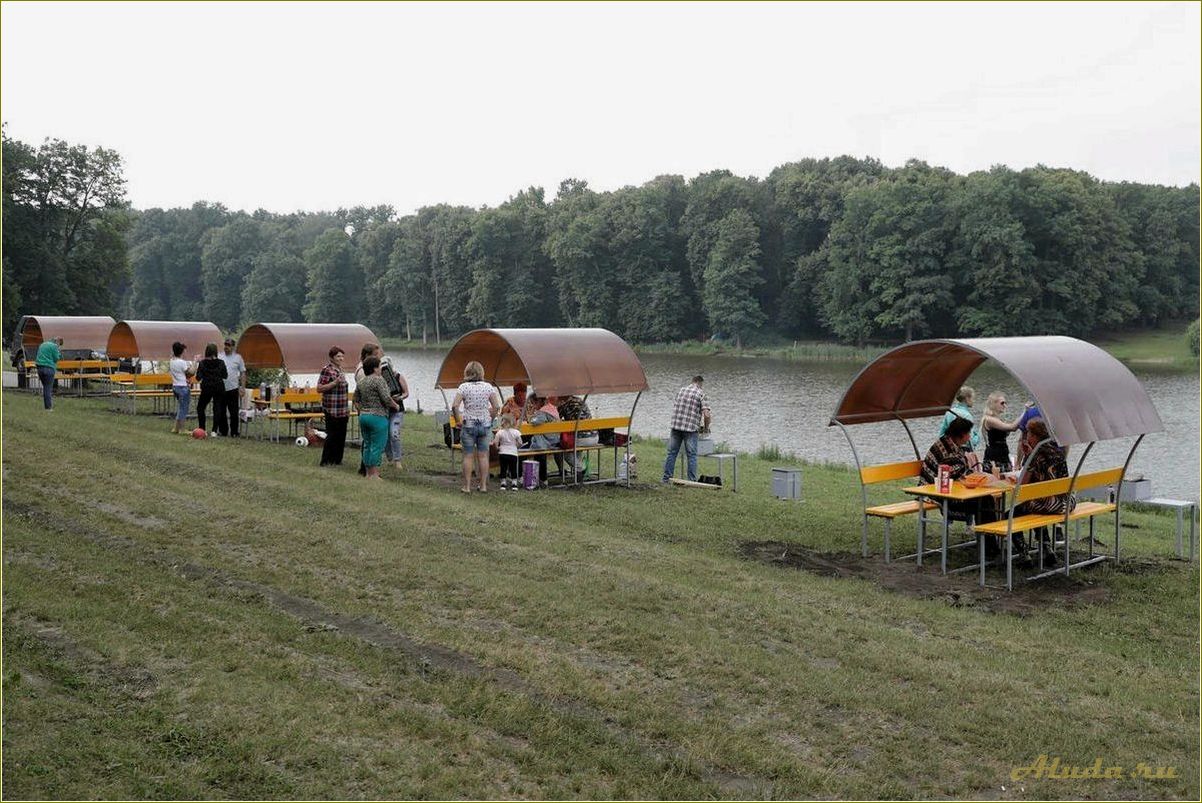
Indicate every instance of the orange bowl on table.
{"type": "Point", "coordinates": [975, 480]}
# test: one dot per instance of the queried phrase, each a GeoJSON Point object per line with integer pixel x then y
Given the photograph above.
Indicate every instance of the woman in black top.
{"type": "Point", "coordinates": [211, 373]}
{"type": "Point", "coordinates": [997, 430]}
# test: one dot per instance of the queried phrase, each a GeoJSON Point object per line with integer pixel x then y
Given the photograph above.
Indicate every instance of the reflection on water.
{"type": "Point", "coordinates": [763, 401]}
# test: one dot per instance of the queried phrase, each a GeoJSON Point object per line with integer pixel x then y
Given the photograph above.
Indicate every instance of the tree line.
{"type": "Point", "coordinates": [844, 248]}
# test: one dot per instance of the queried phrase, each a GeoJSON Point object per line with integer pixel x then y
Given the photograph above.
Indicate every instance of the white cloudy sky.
{"type": "Point", "coordinates": [314, 106]}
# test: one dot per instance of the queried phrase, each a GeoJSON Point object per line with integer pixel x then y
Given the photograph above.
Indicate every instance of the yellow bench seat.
{"type": "Point", "coordinates": [895, 509]}
{"type": "Point", "coordinates": [1034, 521]}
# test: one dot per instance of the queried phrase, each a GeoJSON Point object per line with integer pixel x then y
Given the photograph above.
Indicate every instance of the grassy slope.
{"type": "Point", "coordinates": [1165, 347]}
{"type": "Point", "coordinates": [220, 619]}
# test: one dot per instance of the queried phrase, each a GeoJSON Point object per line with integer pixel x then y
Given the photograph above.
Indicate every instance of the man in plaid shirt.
{"type": "Point", "coordinates": [690, 414]}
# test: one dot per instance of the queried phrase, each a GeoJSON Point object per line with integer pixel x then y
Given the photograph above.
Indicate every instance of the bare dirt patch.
{"type": "Point", "coordinates": [959, 590]}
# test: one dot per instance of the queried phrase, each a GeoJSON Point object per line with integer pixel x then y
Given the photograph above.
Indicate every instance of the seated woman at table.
{"type": "Point", "coordinates": [1049, 463]}
{"type": "Point", "coordinates": [515, 405]}
{"type": "Point", "coordinates": [952, 450]}
{"type": "Point", "coordinates": [545, 413]}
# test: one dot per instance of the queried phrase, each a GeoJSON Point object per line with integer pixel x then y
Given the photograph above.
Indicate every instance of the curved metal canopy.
{"type": "Point", "coordinates": [77, 331]}
{"type": "Point", "coordinates": [301, 348]}
{"type": "Point", "coordinates": [556, 362]}
{"type": "Point", "coordinates": [1083, 393]}
{"type": "Point", "coordinates": [151, 340]}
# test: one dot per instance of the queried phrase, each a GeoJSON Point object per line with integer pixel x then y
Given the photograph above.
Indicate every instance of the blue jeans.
{"type": "Point", "coordinates": [689, 439]}
{"type": "Point", "coordinates": [46, 377]}
{"type": "Point", "coordinates": [475, 437]}
{"type": "Point", "coordinates": [393, 447]}
{"type": "Point", "coordinates": [183, 395]}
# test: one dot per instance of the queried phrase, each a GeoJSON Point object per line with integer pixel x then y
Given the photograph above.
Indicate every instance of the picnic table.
{"type": "Point", "coordinates": [958, 492]}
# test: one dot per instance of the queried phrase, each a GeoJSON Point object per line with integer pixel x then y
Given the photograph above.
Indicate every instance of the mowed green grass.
{"type": "Point", "coordinates": [210, 619]}
{"type": "Point", "coordinates": [1166, 347]}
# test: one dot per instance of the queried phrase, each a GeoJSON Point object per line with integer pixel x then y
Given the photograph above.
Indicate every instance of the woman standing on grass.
{"type": "Point", "coordinates": [335, 403]}
{"type": "Point", "coordinates": [480, 403]}
{"type": "Point", "coordinates": [398, 389]}
{"type": "Point", "coordinates": [211, 373]}
{"type": "Point", "coordinates": [997, 430]}
{"type": "Point", "coordinates": [181, 377]}
{"type": "Point", "coordinates": [375, 405]}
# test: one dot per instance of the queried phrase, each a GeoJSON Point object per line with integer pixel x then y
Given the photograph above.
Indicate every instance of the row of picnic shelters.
{"type": "Point", "coordinates": [1084, 394]}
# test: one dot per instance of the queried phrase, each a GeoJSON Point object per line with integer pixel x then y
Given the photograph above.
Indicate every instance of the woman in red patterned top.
{"type": "Point", "coordinates": [335, 403]}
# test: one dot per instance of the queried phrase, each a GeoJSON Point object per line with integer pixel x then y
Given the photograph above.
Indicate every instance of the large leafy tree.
{"type": "Point", "coordinates": [887, 271]}
{"type": "Point", "coordinates": [65, 218]}
{"type": "Point", "coordinates": [226, 260]}
{"type": "Point", "coordinates": [807, 200]}
{"type": "Point", "coordinates": [731, 276]}
{"type": "Point", "coordinates": [335, 280]}
{"type": "Point", "coordinates": [275, 288]}
{"type": "Point", "coordinates": [512, 277]}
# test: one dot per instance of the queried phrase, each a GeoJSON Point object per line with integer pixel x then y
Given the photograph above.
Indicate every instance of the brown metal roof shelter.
{"type": "Point", "coordinates": [1083, 393]}
{"type": "Point", "coordinates": [554, 362]}
{"type": "Point", "coordinates": [151, 340]}
{"type": "Point", "coordinates": [77, 331]}
{"type": "Point", "coordinates": [300, 348]}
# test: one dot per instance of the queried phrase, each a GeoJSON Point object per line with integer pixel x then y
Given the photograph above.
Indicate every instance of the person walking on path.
{"type": "Point", "coordinates": [49, 353]}
{"type": "Point", "coordinates": [335, 403]}
{"type": "Point", "coordinates": [211, 374]}
{"type": "Point", "coordinates": [375, 404]}
{"type": "Point", "coordinates": [181, 378]}
{"type": "Point", "coordinates": [235, 388]}
{"type": "Point", "coordinates": [690, 414]}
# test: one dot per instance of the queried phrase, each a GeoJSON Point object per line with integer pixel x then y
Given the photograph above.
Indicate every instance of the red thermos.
{"type": "Point", "coordinates": [945, 478]}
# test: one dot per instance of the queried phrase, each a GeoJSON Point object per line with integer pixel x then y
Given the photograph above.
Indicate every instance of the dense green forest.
{"type": "Point", "coordinates": [843, 248]}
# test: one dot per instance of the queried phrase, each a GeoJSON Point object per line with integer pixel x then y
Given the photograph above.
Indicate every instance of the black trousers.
{"type": "Point", "coordinates": [509, 466]}
{"type": "Point", "coordinates": [218, 400]}
{"type": "Point", "coordinates": [331, 451]}
{"type": "Point", "coordinates": [232, 402]}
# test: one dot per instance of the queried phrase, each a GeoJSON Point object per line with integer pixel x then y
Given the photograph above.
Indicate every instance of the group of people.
{"type": "Point", "coordinates": [960, 438]}
{"type": "Point", "coordinates": [380, 393]}
{"type": "Point", "coordinates": [487, 422]}
{"type": "Point", "coordinates": [222, 380]}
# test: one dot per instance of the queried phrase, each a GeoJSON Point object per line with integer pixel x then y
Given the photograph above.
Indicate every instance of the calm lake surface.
{"type": "Point", "coordinates": [759, 401]}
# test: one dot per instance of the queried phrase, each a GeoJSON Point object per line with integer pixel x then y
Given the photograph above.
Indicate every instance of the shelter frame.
{"type": "Point", "coordinates": [892, 387]}
{"type": "Point", "coordinates": [556, 362]}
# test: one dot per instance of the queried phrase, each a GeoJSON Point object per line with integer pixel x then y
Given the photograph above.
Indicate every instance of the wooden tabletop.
{"type": "Point", "coordinates": [959, 493]}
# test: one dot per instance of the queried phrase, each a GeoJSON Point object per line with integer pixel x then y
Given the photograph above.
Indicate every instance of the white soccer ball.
{"type": "Point", "coordinates": [302, 441]}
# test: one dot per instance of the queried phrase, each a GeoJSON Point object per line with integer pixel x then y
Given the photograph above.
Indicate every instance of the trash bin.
{"type": "Point", "coordinates": [786, 483]}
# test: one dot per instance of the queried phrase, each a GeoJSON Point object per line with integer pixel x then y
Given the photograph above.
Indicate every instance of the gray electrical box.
{"type": "Point", "coordinates": [786, 483]}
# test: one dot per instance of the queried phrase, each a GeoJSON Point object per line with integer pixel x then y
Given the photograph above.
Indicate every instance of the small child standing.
{"type": "Point", "coordinates": [507, 440]}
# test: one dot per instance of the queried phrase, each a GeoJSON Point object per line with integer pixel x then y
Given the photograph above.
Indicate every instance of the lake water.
{"type": "Point", "coordinates": [758, 401]}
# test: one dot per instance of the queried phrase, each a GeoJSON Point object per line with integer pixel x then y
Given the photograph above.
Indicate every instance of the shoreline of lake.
{"type": "Point", "coordinates": [1150, 350]}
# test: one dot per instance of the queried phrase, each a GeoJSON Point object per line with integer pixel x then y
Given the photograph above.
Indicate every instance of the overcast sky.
{"type": "Point", "coordinates": [314, 106]}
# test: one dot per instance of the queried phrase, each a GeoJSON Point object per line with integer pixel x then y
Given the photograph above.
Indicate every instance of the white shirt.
{"type": "Point", "coordinates": [476, 398]}
{"type": "Point", "coordinates": [235, 366]}
{"type": "Point", "coordinates": [179, 372]}
{"type": "Point", "coordinates": [508, 441]}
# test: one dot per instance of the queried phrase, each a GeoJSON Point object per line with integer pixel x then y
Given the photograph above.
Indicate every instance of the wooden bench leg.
{"type": "Point", "coordinates": [888, 528]}
{"type": "Point", "coordinates": [864, 537]}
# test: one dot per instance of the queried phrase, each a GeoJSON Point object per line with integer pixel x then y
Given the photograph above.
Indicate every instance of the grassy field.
{"type": "Point", "coordinates": [1156, 348]}
{"type": "Point", "coordinates": [212, 619]}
